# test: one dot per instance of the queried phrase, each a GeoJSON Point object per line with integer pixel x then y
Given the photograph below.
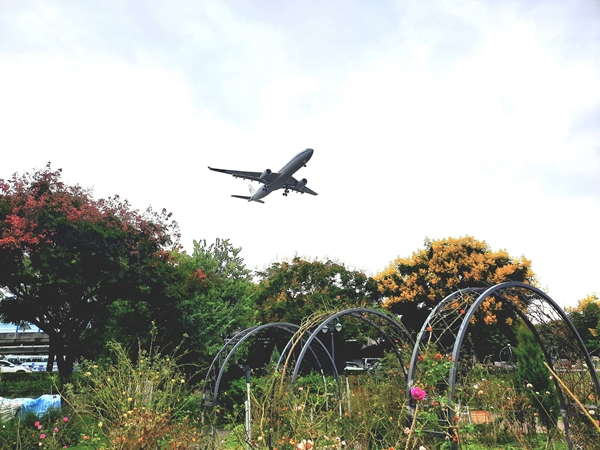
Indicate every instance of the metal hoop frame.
{"type": "Point", "coordinates": [551, 327]}
{"type": "Point", "coordinates": [218, 366]}
{"type": "Point", "coordinates": [397, 334]}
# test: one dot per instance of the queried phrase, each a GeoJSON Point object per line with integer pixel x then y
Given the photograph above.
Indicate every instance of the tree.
{"type": "Point", "coordinates": [65, 257]}
{"type": "Point", "coordinates": [291, 291]}
{"type": "Point", "coordinates": [217, 297]}
{"type": "Point", "coordinates": [535, 377]}
{"type": "Point", "coordinates": [586, 320]}
{"type": "Point", "coordinates": [414, 286]}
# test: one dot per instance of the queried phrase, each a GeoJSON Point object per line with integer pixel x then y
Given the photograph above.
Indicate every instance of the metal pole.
{"type": "Point", "coordinates": [248, 429]}
{"type": "Point", "coordinates": [332, 348]}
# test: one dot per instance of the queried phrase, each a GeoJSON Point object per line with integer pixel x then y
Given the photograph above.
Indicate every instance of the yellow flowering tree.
{"type": "Point", "coordinates": [586, 319]}
{"type": "Point", "coordinates": [414, 285]}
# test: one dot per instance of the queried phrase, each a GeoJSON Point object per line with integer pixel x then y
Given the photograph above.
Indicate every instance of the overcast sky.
{"type": "Point", "coordinates": [428, 119]}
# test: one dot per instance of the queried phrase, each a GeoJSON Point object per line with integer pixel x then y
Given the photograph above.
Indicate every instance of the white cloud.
{"type": "Point", "coordinates": [434, 120]}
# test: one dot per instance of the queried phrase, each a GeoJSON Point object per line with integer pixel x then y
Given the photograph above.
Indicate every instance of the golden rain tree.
{"type": "Point", "coordinates": [413, 286]}
{"type": "Point", "coordinates": [586, 319]}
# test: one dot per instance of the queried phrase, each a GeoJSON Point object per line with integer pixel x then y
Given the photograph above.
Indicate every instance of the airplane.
{"type": "Point", "coordinates": [272, 181]}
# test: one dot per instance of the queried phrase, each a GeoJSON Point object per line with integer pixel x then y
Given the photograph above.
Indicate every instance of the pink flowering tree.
{"type": "Point", "coordinates": [64, 256]}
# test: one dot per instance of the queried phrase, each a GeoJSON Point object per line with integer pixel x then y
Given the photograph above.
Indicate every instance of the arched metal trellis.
{"type": "Point", "coordinates": [446, 328]}
{"type": "Point", "coordinates": [219, 364]}
{"type": "Point", "coordinates": [391, 330]}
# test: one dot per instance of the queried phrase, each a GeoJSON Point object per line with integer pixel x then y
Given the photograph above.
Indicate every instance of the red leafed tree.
{"type": "Point", "coordinates": [64, 256]}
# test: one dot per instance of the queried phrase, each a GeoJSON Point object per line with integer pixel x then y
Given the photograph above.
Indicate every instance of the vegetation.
{"type": "Point", "coordinates": [289, 291]}
{"type": "Point", "coordinates": [14, 385]}
{"type": "Point", "coordinates": [112, 288]}
{"type": "Point", "coordinates": [413, 286]}
{"type": "Point", "coordinates": [536, 378]}
{"type": "Point", "coordinates": [65, 257]}
{"type": "Point", "coordinates": [586, 319]}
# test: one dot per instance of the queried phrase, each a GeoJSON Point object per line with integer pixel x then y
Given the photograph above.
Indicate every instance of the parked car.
{"type": "Point", "coordinates": [370, 362]}
{"type": "Point", "coordinates": [8, 367]}
{"type": "Point", "coordinates": [39, 366]}
{"type": "Point", "coordinates": [353, 367]}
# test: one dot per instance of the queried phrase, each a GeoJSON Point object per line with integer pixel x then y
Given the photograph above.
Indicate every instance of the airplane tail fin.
{"type": "Point", "coordinates": [245, 197]}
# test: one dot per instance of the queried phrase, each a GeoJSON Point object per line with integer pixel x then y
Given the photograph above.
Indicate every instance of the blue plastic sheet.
{"type": "Point", "coordinates": [39, 405]}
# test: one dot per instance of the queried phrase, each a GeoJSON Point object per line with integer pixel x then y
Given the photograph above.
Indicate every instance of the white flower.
{"type": "Point", "coordinates": [529, 386]}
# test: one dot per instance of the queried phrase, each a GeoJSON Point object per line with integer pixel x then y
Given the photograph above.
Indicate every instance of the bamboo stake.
{"type": "Point", "coordinates": [583, 408]}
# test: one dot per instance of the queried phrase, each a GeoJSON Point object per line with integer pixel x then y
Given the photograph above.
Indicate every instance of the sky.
{"type": "Point", "coordinates": [427, 119]}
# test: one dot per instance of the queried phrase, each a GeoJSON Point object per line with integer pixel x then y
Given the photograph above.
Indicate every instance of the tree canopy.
{"type": "Point", "coordinates": [586, 320]}
{"type": "Point", "coordinates": [291, 291]}
{"type": "Point", "coordinates": [413, 286]}
{"type": "Point", "coordinates": [65, 257]}
{"type": "Point", "coordinates": [217, 298]}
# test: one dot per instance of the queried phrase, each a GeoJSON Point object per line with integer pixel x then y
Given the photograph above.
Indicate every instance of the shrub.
{"type": "Point", "coordinates": [13, 385]}
{"type": "Point", "coordinates": [137, 405]}
{"type": "Point", "coordinates": [52, 430]}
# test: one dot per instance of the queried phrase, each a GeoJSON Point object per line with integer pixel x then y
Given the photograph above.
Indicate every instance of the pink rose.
{"type": "Point", "coordinates": [418, 394]}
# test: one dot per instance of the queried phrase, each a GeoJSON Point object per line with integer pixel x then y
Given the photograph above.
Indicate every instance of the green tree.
{"type": "Point", "coordinates": [65, 257]}
{"type": "Point", "coordinates": [291, 291]}
{"type": "Point", "coordinates": [199, 301]}
{"type": "Point", "coordinates": [535, 377]}
{"type": "Point", "coordinates": [217, 297]}
{"type": "Point", "coordinates": [586, 320]}
{"type": "Point", "coordinates": [413, 286]}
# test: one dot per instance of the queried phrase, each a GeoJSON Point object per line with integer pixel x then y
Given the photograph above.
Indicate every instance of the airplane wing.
{"type": "Point", "coordinates": [262, 177]}
{"type": "Point", "coordinates": [294, 185]}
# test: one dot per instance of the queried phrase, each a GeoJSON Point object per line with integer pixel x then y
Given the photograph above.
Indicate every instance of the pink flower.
{"type": "Point", "coordinates": [42, 436]}
{"type": "Point", "coordinates": [37, 424]}
{"type": "Point", "coordinates": [39, 427]}
{"type": "Point", "coordinates": [56, 430]}
{"type": "Point", "coordinates": [66, 419]}
{"type": "Point", "coordinates": [418, 394]}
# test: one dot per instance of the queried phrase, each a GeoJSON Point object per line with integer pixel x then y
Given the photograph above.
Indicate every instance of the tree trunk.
{"type": "Point", "coordinates": [65, 357]}
{"type": "Point", "coordinates": [51, 354]}
{"type": "Point", "coordinates": [65, 366]}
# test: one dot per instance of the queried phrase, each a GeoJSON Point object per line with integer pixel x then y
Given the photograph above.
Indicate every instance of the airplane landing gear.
{"type": "Point", "coordinates": [286, 192]}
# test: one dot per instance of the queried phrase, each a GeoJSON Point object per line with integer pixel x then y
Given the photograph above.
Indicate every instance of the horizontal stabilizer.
{"type": "Point", "coordinates": [245, 197]}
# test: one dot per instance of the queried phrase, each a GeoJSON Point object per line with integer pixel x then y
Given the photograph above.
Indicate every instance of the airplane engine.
{"type": "Point", "coordinates": [265, 174]}
{"type": "Point", "coordinates": [301, 183]}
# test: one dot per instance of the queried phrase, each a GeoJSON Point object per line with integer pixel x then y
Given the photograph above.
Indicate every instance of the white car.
{"type": "Point", "coordinates": [353, 367]}
{"type": "Point", "coordinates": [7, 367]}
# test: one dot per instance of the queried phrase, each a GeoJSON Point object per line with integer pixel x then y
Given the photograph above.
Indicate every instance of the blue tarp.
{"type": "Point", "coordinates": [38, 405]}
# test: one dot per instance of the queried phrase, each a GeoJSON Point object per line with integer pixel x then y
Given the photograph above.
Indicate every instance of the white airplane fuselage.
{"type": "Point", "coordinates": [285, 174]}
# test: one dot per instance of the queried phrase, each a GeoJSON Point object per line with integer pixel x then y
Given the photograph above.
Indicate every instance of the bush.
{"type": "Point", "coordinates": [137, 405]}
{"type": "Point", "coordinates": [52, 430]}
{"type": "Point", "coordinates": [14, 385]}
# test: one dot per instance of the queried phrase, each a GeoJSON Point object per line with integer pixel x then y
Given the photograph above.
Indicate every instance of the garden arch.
{"type": "Point", "coordinates": [391, 330]}
{"type": "Point", "coordinates": [447, 325]}
{"type": "Point", "coordinates": [218, 366]}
